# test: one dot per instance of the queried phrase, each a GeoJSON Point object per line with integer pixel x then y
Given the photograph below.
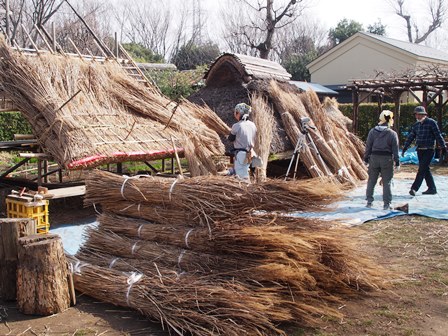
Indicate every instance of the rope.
{"type": "Point", "coordinates": [139, 230]}
{"type": "Point", "coordinates": [133, 248]}
{"type": "Point", "coordinates": [186, 237]}
{"type": "Point", "coordinates": [133, 278]}
{"type": "Point", "coordinates": [171, 189]}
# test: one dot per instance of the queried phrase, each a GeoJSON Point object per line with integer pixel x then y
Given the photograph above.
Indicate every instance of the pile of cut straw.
{"type": "Point", "coordinates": [339, 152]}
{"type": "Point", "coordinates": [193, 254]}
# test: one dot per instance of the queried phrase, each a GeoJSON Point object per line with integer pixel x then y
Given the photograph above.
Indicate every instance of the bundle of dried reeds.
{"type": "Point", "coordinates": [246, 250]}
{"type": "Point", "coordinates": [263, 117]}
{"type": "Point", "coordinates": [211, 198]}
{"type": "Point", "coordinates": [184, 303]}
{"type": "Point", "coordinates": [85, 114]}
{"type": "Point", "coordinates": [335, 143]}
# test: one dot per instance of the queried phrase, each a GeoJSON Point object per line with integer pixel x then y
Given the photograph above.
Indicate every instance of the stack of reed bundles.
{"type": "Point", "coordinates": [340, 150]}
{"type": "Point", "coordinates": [85, 114]}
{"type": "Point", "coordinates": [205, 199]}
{"type": "Point", "coordinates": [201, 233]}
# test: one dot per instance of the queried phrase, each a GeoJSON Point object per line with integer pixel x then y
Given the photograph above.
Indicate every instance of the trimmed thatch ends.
{"type": "Point", "coordinates": [232, 69]}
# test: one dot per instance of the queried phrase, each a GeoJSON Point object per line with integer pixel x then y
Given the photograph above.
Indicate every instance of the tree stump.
{"type": "Point", "coordinates": [42, 285]}
{"type": "Point", "coordinates": [11, 229]}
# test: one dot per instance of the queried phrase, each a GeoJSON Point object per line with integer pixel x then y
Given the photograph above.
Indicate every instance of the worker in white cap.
{"type": "Point", "coordinates": [242, 135]}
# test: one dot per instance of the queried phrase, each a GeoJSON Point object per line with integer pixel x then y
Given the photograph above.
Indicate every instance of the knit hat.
{"type": "Point", "coordinates": [386, 117]}
{"type": "Point", "coordinates": [420, 110]}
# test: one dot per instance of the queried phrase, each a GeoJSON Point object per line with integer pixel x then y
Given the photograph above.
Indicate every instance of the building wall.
{"type": "Point", "coordinates": [360, 59]}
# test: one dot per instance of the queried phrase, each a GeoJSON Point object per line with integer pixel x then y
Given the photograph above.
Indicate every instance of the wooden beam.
{"type": "Point", "coordinates": [65, 192]}
{"type": "Point", "coordinates": [10, 170]}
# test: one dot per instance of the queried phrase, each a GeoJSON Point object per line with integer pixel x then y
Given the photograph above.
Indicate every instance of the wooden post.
{"type": "Point", "coordinates": [11, 229]}
{"type": "Point", "coordinates": [42, 282]}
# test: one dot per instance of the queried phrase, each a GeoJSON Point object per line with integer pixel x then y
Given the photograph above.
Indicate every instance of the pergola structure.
{"type": "Point", "coordinates": [432, 88]}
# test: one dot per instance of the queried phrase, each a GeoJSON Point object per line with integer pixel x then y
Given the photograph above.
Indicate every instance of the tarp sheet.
{"type": "Point", "coordinates": [353, 211]}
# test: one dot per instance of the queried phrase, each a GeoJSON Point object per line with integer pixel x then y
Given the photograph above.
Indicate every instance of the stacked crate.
{"type": "Point", "coordinates": [29, 207]}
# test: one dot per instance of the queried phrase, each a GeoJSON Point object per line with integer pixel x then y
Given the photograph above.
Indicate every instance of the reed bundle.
{"type": "Point", "coordinates": [163, 254]}
{"type": "Point", "coordinates": [211, 198]}
{"type": "Point", "coordinates": [332, 138]}
{"type": "Point", "coordinates": [304, 307]}
{"type": "Point", "coordinates": [85, 114]}
{"type": "Point", "coordinates": [294, 253]}
{"type": "Point", "coordinates": [183, 303]}
{"type": "Point", "coordinates": [263, 117]}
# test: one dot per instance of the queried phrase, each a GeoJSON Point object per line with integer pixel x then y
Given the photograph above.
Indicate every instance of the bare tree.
{"type": "Point", "coordinates": [261, 19]}
{"type": "Point", "coordinates": [69, 27]}
{"type": "Point", "coordinates": [147, 23]}
{"type": "Point", "coordinates": [437, 11]}
{"type": "Point", "coordinates": [300, 37]}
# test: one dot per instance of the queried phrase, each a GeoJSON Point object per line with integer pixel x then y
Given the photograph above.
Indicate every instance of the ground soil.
{"type": "Point", "coordinates": [414, 247]}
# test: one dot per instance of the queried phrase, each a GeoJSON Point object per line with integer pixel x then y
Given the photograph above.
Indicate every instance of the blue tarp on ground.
{"type": "Point", "coordinates": [410, 157]}
{"type": "Point", "coordinates": [352, 210]}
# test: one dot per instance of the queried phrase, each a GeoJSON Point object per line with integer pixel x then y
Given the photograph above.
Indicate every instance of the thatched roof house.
{"type": "Point", "coordinates": [226, 84]}
{"type": "Point", "coordinates": [265, 85]}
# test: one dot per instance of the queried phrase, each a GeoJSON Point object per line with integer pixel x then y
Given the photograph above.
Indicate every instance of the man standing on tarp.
{"type": "Point", "coordinates": [243, 137]}
{"type": "Point", "coordinates": [425, 132]}
{"type": "Point", "coordinates": [381, 153]}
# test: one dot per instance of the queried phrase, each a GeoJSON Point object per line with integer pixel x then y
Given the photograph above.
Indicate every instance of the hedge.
{"type": "Point", "coordinates": [13, 123]}
{"type": "Point", "coordinates": [369, 113]}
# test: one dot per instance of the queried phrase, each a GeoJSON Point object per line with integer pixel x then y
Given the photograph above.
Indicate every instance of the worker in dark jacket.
{"type": "Point", "coordinates": [425, 132]}
{"type": "Point", "coordinates": [381, 153]}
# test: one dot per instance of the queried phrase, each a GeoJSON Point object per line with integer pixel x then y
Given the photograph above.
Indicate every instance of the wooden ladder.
{"type": "Point", "coordinates": [135, 72]}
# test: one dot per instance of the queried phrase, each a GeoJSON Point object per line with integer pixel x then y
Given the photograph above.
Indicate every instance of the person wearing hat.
{"type": "Point", "coordinates": [381, 153]}
{"type": "Point", "coordinates": [426, 133]}
{"type": "Point", "coordinates": [242, 135]}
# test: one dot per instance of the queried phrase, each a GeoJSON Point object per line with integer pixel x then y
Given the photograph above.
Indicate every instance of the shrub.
{"type": "Point", "coordinates": [13, 123]}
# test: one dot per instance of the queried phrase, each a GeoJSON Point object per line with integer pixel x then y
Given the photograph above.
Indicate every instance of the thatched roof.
{"type": "Point", "coordinates": [85, 114]}
{"type": "Point", "coordinates": [236, 68]}
{"type": "Point", "coordinates": [222, 100]}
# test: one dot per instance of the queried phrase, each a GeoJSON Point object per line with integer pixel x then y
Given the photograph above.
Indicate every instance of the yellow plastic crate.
{"type": "Point", "coordinates": [22, 208]}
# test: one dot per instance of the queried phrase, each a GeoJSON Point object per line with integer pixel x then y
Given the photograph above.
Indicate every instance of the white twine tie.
{"type": "Point", "coordinates": [133, 278]}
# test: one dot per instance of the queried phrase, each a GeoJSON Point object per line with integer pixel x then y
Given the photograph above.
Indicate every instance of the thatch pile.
{"type": "Point", "coordinates": [85, 114]}
{"type": "Point", "coordinates": [339, 152]}
{"type": "Point", "coordinates": [194, 255]}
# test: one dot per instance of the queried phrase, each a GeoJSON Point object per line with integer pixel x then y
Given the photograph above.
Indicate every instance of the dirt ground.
{"type": "Point", "coordinates": [414, 247]}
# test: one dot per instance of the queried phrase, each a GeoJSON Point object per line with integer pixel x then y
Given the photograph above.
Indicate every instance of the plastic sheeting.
{"type": "Point", "coordinates": [353, 211]}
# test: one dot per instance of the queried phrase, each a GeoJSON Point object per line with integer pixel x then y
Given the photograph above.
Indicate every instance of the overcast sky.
{"type": "Point", "coordinates": [367, 12]}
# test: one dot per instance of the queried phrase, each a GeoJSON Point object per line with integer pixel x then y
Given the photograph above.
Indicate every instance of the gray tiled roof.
{"type": "Point", "coordinates": [319, 89]}
{"type": "Point", "coordinates": [413, 48]}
